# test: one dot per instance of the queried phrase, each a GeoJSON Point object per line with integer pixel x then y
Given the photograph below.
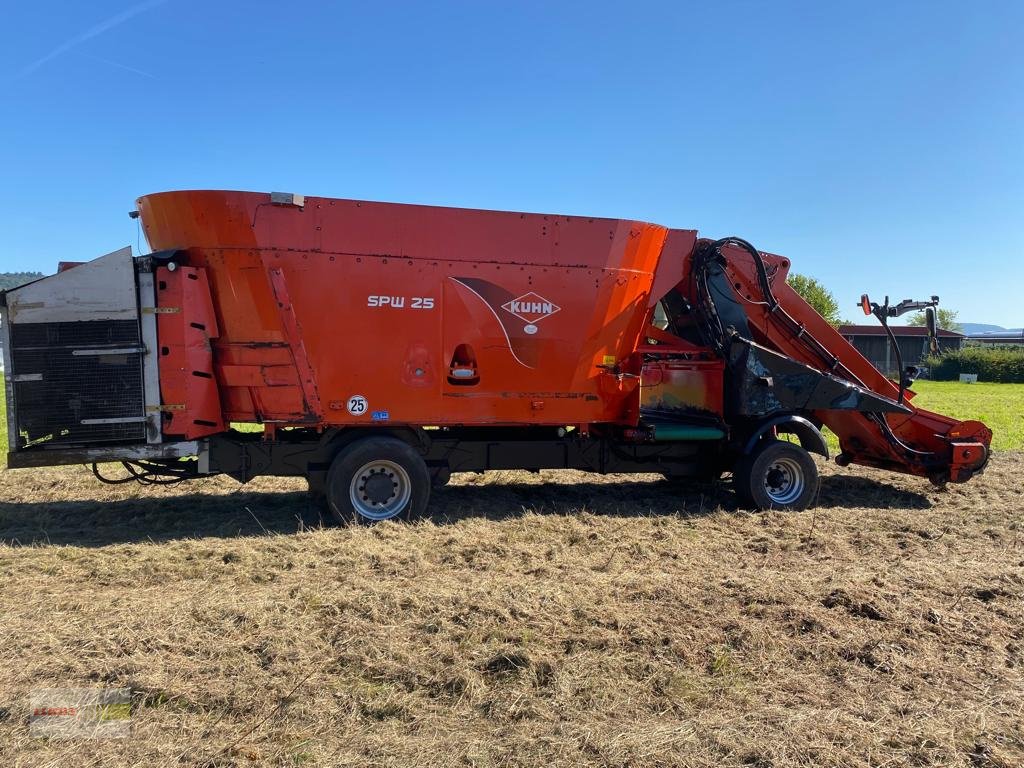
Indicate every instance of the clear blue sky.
{"type": "Point", "coordinates": [879, 145]}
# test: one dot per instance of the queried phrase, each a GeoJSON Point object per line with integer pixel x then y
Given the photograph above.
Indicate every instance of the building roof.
{"type": "Point", "coordinates": [1014, 337]}
{"type": "Point", "coordinates": [897, 330]}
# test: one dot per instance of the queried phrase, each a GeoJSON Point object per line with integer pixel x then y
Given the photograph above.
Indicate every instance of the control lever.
{"type": "Point", "coordinates": [884, 311]}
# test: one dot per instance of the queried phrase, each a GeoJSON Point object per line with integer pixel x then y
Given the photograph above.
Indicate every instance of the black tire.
{"type": "Point", "coordinates": [776, 475]}
{"type": "Point", "coordinates": [376, 479]}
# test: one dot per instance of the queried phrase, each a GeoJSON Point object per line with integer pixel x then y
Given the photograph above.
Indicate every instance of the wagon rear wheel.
{"type": "Point", "coordinates": [375, 479]}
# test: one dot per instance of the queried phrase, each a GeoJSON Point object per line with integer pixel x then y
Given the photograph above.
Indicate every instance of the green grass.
{"type": "Point", "coordinates": [1000, 406]}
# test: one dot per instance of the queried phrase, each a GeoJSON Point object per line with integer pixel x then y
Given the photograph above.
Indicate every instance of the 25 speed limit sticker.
{"type": "Point", "coordinates": [357, 405]}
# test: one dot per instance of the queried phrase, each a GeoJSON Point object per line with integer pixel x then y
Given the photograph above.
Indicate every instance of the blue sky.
{"type": "Point", "coordinates": [878, 145]}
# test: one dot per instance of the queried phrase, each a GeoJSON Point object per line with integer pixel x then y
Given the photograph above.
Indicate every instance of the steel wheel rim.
{"type": "Point", "coordinates": [784, 481]}
{"type": "Point", "coordinates": [371, 495]}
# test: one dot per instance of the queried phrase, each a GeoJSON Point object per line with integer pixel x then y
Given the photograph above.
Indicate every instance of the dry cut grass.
{"type": "Point", "coordinates": [613, 622]}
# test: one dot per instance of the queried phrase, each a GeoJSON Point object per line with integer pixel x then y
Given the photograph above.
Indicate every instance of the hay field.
{"type": "Point", "coordinates": [560, 619]}
{"type": "Point", "coordinates": [616, 621]}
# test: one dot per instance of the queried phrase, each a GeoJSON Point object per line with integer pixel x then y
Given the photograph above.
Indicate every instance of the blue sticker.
{"type": "Point", "coordinates": [380, 416]}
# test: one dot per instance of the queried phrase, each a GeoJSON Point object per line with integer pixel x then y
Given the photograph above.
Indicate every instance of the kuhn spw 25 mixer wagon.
{"type": "Point", "coordinates": [384, 346]}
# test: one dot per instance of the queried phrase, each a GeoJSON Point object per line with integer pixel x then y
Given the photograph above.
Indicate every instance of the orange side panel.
{"type": "Point", "coordinates": [371, 305]}
{"type": "Point", "coordinates": [186, 323]}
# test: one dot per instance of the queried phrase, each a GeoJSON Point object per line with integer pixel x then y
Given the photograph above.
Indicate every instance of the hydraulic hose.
{"type": "Point", "coordinates": [146, 473]}
{"type": "Point", "coordinates": [762, 271]}
{"type": "Point", "coordinates": [711, 328]}
{"type": "Point", "coordinates": [899, 359]}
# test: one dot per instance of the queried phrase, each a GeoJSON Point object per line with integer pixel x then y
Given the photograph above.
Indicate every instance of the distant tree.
{"type": "Point", "coordinates": [10, 280]}
{"type": "Point", "coordinates": [817, 295]}
{"type": "Point", "coordinates": [946, 318]}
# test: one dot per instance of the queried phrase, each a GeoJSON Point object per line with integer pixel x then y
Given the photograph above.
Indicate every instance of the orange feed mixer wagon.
{"type": "Point", "coordinates": [383, 346]}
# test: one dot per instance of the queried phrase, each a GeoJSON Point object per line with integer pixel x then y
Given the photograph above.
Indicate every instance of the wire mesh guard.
{"type": "Point", "coordinates": [78, 382]}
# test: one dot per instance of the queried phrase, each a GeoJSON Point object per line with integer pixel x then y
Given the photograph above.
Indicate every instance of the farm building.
{"type": "Point", "coordinates": [872, 342]}
{"type": "Point", "coordinates": [999, 339]}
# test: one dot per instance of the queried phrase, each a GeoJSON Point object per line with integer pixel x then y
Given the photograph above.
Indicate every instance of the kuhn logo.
{"type": "Point", "coordinates": [530, 307]}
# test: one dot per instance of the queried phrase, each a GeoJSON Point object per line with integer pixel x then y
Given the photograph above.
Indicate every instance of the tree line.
{"type": "Point", "coordinates": [10, 280]}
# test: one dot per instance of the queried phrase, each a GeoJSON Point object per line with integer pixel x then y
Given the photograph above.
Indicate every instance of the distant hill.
{"type": "Point", "coordinates": [972, 328]}
{"type": "Point", "coordinates": [10, 280]}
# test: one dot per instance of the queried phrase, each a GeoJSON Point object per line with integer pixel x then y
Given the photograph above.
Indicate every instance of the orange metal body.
{"type": "Point", "coordinates": [330, 312]}
{"type": "Point", "coordinates": [342, 299]}
{"type": "Point", "coordinates": [189, 390]}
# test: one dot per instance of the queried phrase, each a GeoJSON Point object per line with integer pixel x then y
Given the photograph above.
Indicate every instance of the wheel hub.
{"type": "Point", "coordinates": [379, 487]}
{"type": "Point", "coordinates": [380, 490]}
{"type": "Point", "coordinates": [778, 478]}
{"type": "Point", "coordinates": [784, 481]}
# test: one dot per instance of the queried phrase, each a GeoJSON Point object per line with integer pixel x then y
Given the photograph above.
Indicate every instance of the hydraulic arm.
{"type": "Point", "coordinates": [775, 343]}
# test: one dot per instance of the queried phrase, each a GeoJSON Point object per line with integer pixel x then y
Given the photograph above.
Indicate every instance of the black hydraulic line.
{"type": "Point", "coordinates": [144, 473]}
{"type": "Point", "coordinates": [775, 310]}
{"type": "Point", "coordinates": [153, 474]}
{"type": "Point", "coordinates": [711, 324]}
{"type": "Point", "coordinates": [879, 419]}
{"type": "Point", "coordinates": [762, 271]}
{"type": "Point", "coordinates": [110, 480]}
{"type": "Point", "coordinates": [899, 359]}
{"type": "Point", "coordinates": [151, 468]}
{"type": "Point", "coordinates": [778, 312]}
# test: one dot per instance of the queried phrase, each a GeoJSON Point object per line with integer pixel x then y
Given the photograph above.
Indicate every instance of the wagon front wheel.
{"type": "Point", "coordinates": [376, 479]}
{"type": "Point", "coordinates": [777, 475]}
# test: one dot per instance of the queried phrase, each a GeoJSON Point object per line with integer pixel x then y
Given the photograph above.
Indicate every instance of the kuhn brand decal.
{"type": "Point", "coordinates": [532, 308]}
{"type": "Point", "coordinates": [517, 315]}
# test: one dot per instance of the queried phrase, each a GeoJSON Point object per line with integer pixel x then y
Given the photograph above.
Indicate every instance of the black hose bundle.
{"type": "Point", "coordinates": [709, 324]}
{"type": "Point", "coordinates": [709, 321]}
{"type": "Point", "coordinates": [717, 336]}
{"type": "Point", "coordinates": [762, 271]}
{"type": "Point", "coordinates": [148, 473]}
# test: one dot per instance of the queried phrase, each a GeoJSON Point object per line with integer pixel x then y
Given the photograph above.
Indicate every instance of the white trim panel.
{"type": "Point", "coordinates": [102, 289]}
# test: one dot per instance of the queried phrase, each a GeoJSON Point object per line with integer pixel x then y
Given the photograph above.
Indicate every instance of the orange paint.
{"type": "Point", "coordinates": [346, 312]}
